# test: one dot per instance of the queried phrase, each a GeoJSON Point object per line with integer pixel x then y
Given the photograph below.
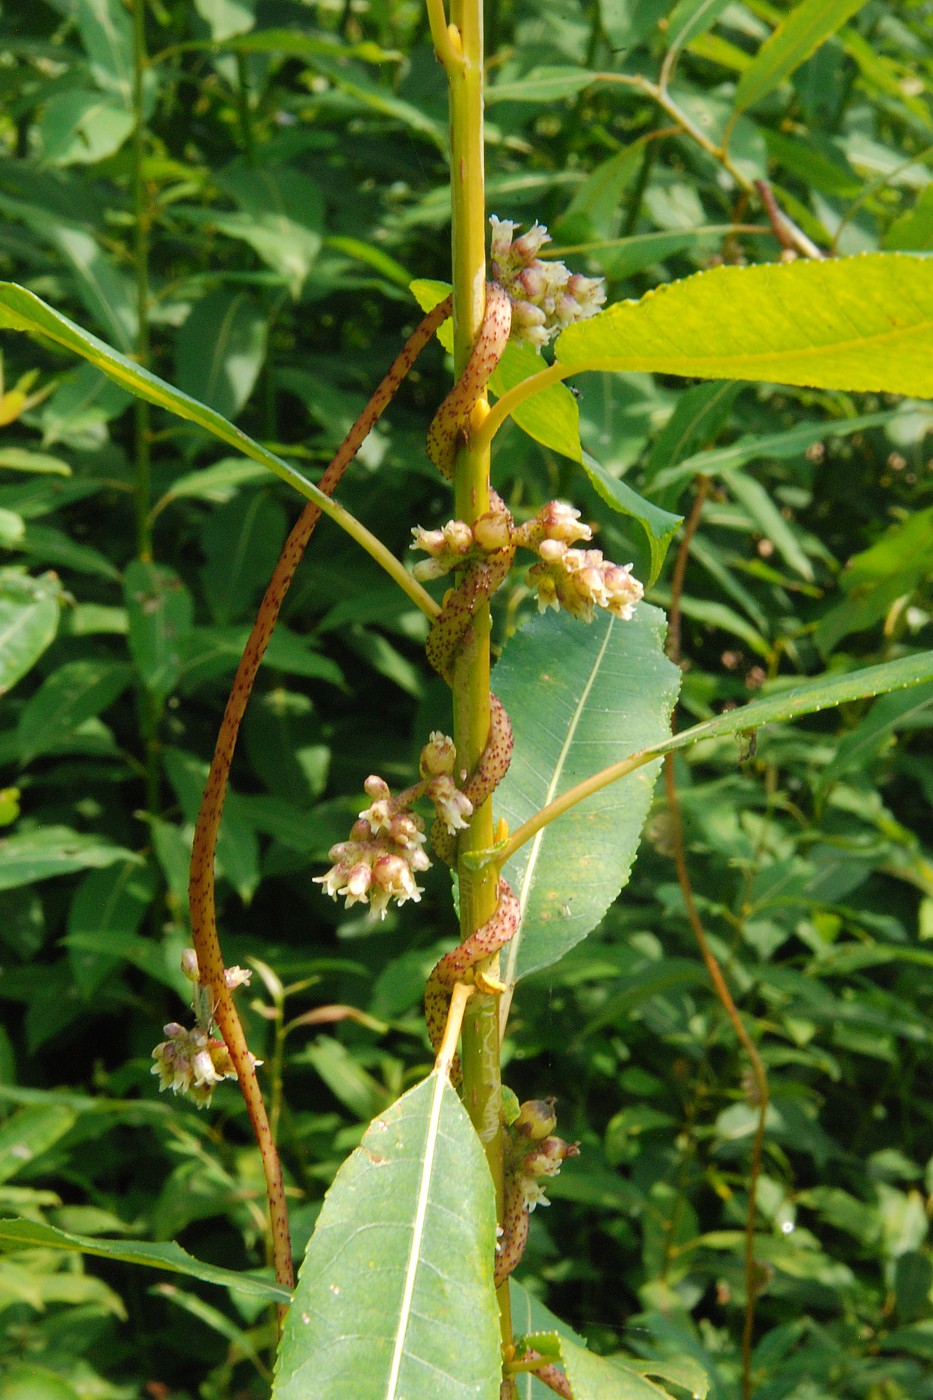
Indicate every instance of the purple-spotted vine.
{"type": "Point", "coordinates": [386, 849]}
{"type": "Point", "coordinates": [480, 1164]}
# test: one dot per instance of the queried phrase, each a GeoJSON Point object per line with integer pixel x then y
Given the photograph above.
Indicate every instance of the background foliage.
{"type": "Point", "coordinates": [285, 184]}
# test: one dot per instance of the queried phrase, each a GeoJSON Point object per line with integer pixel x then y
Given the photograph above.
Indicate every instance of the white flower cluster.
{"type": "Point", "coordinates": [545, 296]}
{"type": "Point", "coordinates": [192, 1062]}
{"type": "Point", "coordinates": [535, 1125]}
{"type": "Point", "coordinates": [457, 544]}
{"type": "Point", "coordinates": [385, 850]}
{"type": "Point", "coordinates": [579, 580]}
{"type": "Point", "coordinates": [380, 860]}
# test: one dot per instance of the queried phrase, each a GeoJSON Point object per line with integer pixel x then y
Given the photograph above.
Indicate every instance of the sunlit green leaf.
{"type": "Point", "coordinates": [19, 459]}
{"type": "Point", "coordinates": [613, 692]}
{"type": "Point", "coordinates": [551, 417]}
{"type": "Point", "coordinates": [849, 323]}
{"type": "Point", "coordinates": [659, 525]}
{"type": "Point", "coordinates": [691, 18]}
{"type": "Point", "coordinates": [30, 1132]}
{"type": "Point", "coordinates": [22, 311]}
{"type": "Point", "coordinates": [807, 26]}
{"type": "Point", "coordinates": [402, 1253]}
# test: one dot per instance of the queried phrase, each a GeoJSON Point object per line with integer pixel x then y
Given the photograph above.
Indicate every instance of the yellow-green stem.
{"type": "Point", "coordinates": [478, 889]}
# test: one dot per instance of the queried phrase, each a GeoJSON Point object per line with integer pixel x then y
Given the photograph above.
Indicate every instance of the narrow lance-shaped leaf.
{"type": "Point", "coordinates": [40, 853]}
{"type": "Point", "coordinates": [75, 692]}
{"type": "Point", "coordinates": [578, 697]}
{"type": "Point", "coordinates": [34, 1234]}
{"type": "Point", "coordinates": [849, 323]}
{"type": "Point", "coordinates": [160, 612]}
{"type": "Point", "coordinates": [395, 1297]}
{"type": "Point", "coordinates": [791, 442]}
{"type": "Point", "coordinates": [23, 311]}
{"type": "Point", "coordinates": [812, 696]}
{"type": "Point", "coordinates": [595, 1377]}
{"type": "Point", "coordinates": [659, 525]}
{"type": "Point", "coordinates": [795, 39]}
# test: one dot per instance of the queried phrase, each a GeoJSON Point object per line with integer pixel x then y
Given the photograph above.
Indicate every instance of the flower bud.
{"type": "Point", "coordinates": [536, 1118]}
{"type": "Point", "coordinates": [493, 531]}
{"type": "Point", "coordinates": [189, 965]}
{"type": "Point", "coordinates": [529, 245]}
{"type": "Point", "coordinates": [524, 313]}
{"type": "Point", "coordinates": [552, 551]}
{"type": "Point", "coordinates": [548, 1156]}
{"type": "Point", "coordinates": [438, 756]}
{"type": "Point", "coordinates": [359, 879]}
{"type": "Point", "coordinates": [431, 541]}
{"type": "Point", "coordinates": [458, 536]}
{"type": "Point", "coordinates": [560, 521]}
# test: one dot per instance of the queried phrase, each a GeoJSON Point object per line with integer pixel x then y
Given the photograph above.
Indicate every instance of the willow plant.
{"type": "Point", "coordinates": [407, 1289]}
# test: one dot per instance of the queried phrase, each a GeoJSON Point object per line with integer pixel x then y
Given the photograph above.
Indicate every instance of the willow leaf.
{"type": "Point", "coordinates": [861, 323]}
{"type": "Point", "coordinates": [395, 1297]}
{"type": "Point", "coordinates": [579, 698]}
{"type": "Point", "coordinates": [23, 311]}
{"type": "Point", "coordinates": [170, 1257]}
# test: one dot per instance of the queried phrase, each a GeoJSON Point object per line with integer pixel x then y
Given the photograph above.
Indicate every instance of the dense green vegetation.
{"type": "Point", "coordinates": [266, 179]}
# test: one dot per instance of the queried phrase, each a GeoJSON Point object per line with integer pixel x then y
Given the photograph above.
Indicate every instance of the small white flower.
{"type": "Point", "coordinates": [452, 805]}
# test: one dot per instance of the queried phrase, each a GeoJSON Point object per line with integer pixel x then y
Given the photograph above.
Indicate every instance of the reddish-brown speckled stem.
{"type": "Point", "coordinates": [451, 418]}
{"type": "Point", "coordinates": [454, 966]}
{"type": "Point", "coordinates": [551, 1374]}
{"type": "Point", "coordinates": [201, 882]}
{"type": "Point", "coordinates": [514, 1237]}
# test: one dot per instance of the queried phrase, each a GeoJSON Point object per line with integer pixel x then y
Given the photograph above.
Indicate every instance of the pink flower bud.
{"type": "Point", "coordinates": [405, 830]}
{"type": "Point", "coordinates": [560, 521]}
{"type": "Point", "coordinates": [524, 313]}
{"type": "Point", "coordinates": [189, 965]}
{"type": "Point", "coordinates": [533, 282]}
{"type": "Point", "coordinates": [359, 879]}
{"type": "Point", "coordinates": [431, 541]}
{"type": "Point", "coordinates": [548, 1156]}
{"type": "Point", "coordinates": [529, 245]}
